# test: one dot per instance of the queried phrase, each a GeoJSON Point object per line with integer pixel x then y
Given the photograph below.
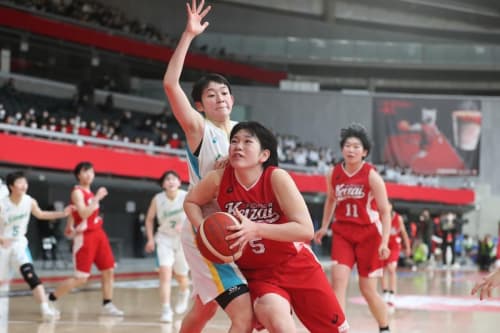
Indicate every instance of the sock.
{"type": "Point", "coordinates": [106, 301]}
{"type": "Point", "coordinates": [166, 306]}
{"type": "Point", "coordinates": [384, 329]}
{"type": "Point", "coordinates": [52, 297]}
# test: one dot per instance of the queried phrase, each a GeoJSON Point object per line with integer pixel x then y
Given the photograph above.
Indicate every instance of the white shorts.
{"type": "Point", "coordinates": [209, 280]}
{"type": "Point", "coordinates": [169, 253]}
{"type": "Point", "coordinates": [13, 257]}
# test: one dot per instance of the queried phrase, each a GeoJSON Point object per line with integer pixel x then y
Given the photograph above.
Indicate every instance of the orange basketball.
{"type": "Point", "coordinates": [211, 238]}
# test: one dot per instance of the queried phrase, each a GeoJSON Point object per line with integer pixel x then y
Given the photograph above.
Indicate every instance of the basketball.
{"type": "Point", "coordinates": [211, 238]}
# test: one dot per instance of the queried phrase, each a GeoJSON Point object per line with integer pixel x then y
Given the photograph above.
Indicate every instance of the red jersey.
{"type": "Point", "coordinates": [354, 200]}
{"type": "Point", "coordinates": [394, 236]}
{"type": "Point", "coordinates": [258, 203]}
{"type": "Point", "coordinates": [93, 221]}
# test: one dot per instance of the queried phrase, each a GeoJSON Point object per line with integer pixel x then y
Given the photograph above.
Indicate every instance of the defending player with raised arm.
{"type": "Point", "coordinates": [357, 196]}
{"type": "Point", "coordinates": [207, 141]}
{"type": "Point", "coordinates": [15, 212]}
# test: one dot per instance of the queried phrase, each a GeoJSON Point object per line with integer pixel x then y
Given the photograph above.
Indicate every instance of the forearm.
{"type": "Point", "coordinates": [149, 229]}
{"type": "Point", "coordinates": [86, 211]}
{"type": "Point", "coordinates": [286, 232]}
{"type": "Point", "coordinates": [193, 213]}
{"type": "Point", "coordinates": [327, 214]}
{"type": "Point", "coordinates": [176, 63]}
{"type": "Point", "coordinates": [51, 215]}
{"type": "Point", "coordinates": [386, 227]}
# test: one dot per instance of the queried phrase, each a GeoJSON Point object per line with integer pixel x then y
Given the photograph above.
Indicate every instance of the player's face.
{"type": "Point", "coordinates": [353, 150]}
{"type": "Point", "coordinates": [171, 183]}
{"type": "Point", "coordinates": [245, 150]}
{"type": "Point", "coordinates": [19, 187]}
{"type": "Point", "coordinates": [86, 176]}
{"type": "Point", "coordinates": [217, 102]}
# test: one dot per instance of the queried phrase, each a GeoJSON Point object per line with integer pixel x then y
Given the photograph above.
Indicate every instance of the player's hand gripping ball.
{"type": "Point", "coordinates": [211, 238]}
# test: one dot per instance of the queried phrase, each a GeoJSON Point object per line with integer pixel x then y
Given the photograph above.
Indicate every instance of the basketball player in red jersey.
{"type": "Point", "coordinates": [358, 197]}
{"type": "Point", "coordinates": [389, 280]}
{"type": "Point", "coordinates": [90, 242]}
{"type": "Point", "coordinates": [280, 268]}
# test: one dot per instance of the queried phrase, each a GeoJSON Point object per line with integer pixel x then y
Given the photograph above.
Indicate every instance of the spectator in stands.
{"type": "Point", "coordinates": [15, 212]}
{"type": "Point", "coordinates": [207, 143]}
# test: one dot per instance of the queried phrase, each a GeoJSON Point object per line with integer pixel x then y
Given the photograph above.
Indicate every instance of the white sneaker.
{"type": "Point", "coordinates": [182, 302]}
{"type": "Point", "coordinates": [49, 312]}
{"type": "Point", "coordinates": [111, 310]}
{"type": "Point", "coordinates": [167, 315]}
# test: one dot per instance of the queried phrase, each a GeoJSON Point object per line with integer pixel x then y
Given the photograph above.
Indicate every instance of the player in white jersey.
{"type": "Point", "coordinates": [208, 142]}
{"type": "Point", "coordinates": [167, 207]}
{"type": "Point", "coordinates": [15, 213]}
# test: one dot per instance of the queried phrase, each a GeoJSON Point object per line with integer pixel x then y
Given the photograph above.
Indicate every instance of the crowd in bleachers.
{"type": "Point", "coordinates": [81, 116]}
{"type": "Point", "coordinates": [94, 12]}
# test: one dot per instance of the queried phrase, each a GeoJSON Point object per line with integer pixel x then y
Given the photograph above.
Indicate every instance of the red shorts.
{"type": "Point", "coordinates": [92, 247]}
{"type": "Point", "coordinates": [302, 281]}
{"type": "Point", "coordinates": [357, 244]}
{"type": "Point", "coordinates": [394, 256]}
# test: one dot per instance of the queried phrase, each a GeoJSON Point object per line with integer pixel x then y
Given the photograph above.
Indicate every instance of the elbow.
{"type": "Point", "coordinates": [308, 234]}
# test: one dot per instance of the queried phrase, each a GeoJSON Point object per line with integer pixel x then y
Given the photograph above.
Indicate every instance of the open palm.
{"type": "Point", "coordinates": [195, 14]}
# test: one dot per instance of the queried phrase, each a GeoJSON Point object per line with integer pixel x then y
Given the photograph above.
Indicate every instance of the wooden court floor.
{"type": "Point", "coordinates": [428, 302]}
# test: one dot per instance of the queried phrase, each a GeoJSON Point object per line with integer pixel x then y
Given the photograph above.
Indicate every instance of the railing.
{"type": "Point", "coordinates": [324, 51]}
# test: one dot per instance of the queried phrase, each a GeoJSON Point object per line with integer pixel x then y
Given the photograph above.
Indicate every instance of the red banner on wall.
{"type": "Point", "coordinates": [107, 41]}
{"type": "Point", "coordinates": [64, 156]}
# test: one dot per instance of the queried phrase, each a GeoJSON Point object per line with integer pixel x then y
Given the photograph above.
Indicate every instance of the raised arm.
{"type": "Point", "coordinates": [190, 120]}
{"type": "Point", "coordinates": [83, 210]}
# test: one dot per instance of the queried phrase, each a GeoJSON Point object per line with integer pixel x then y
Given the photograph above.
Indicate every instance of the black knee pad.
{"type": "Point", "coordinates": [29, 275]}
{"type": "Point", "coordinates": [227, 296]}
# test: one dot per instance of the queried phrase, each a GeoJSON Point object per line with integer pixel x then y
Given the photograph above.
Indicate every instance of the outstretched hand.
{"type": "Point", "coordinates": [195, 15]}
{"type": "Point", "coordinates": [486, 285]}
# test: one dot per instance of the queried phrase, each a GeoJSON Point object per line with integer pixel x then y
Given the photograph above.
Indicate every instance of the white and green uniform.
{"type": "Point", "coordinates": [209, 279]}
{"type": "Point", "coordinates": [14, 221]}
{"type": "Point", "coordinates": [171, 217]}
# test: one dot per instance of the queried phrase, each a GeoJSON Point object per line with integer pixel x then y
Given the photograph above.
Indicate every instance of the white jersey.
{"type": "Point", "coordinates": [170, 213]}
{"type": "Point", "coordinates": [14, 218]}
{"type": "Point", "coordinates": [214, 146]}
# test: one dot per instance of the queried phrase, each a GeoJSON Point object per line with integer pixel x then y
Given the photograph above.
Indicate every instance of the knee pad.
{"type": "Point", "coordinates": [29, 275]}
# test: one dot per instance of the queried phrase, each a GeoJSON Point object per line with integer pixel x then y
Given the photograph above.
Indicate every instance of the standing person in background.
{"type": "Point", "coordinates": [15, 213]}
{"type": "Point", "coordinates": [389, 279]}
{"type": "Point", "coordinates": [358, 197]}
{"type": "Point", "coordinates": [282, 272]}
{"type": "Point", "coordinates": [426, 229]}
{"type": "Point", "coordinates": [167, 207]}
{"type": "Point", "coordinates": [207, 144]}
{"type": "Point", "coordinates": [90, 242]}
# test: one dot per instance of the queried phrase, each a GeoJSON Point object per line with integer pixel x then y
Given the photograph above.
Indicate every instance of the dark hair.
{"type": "Point", "coordinates": [356, 131]}
{"type": "Point", "coordinates": [203, 83]}
{"type": "Point", "coordinates": [11, 178]}
{"type": "Point", "coordinates": [266, 138]}
{"type": "Point", "coordinates": [166, 174]}
{"type": "Point", "coordinates": [82, 166]}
